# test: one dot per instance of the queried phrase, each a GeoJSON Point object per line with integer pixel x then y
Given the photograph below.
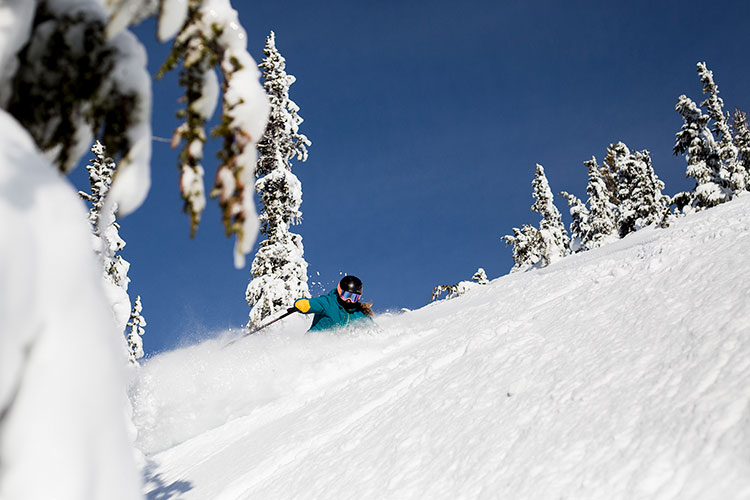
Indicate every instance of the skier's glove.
{"type": "Point", "coordinates": [302, 305]}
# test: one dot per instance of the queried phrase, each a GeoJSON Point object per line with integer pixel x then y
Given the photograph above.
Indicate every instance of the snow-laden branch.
{"type": "Point", "coordinates": [212, 39]}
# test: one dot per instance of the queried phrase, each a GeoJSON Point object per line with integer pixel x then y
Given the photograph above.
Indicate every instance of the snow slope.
{"type": "Point", "coordinates": [623, 372]}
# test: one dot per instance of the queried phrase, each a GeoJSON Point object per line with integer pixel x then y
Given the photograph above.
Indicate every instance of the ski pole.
{"type": "Point", "coordinates": [258, 328]}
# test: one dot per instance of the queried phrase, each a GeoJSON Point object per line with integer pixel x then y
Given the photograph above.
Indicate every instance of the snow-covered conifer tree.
{"type": "Point", "coordinates": [534, 247]}
{"type": "Point", "coordinates": [554, 237]}
{"type": "Point", "coordinates": [727, 150]}
{"type": "Point", "coordinates": [460, 288]}
{"type": "Point", "coordinates": [638, 191]}
{"type": "Point", "coordinates": [601, 219]}
{"type": "Point", "coordinates": [279, 269]}
{"type": "Point", "coordinates": [480, 277]}
{"type": "Point", "coordinates": [527, 248]}
{"type": "Point", "coordinates": [136, 324]}
{"type": "Point", "coordinates": [742, 142]}
{"type": "Point", "coordinates": [579, 224]}
{"type": "Point", "coordinates": [711, 155]}
{"type": "Point", "coordinates": [696, 141]}
{"type": "Point", "coordinates": [106, 239]}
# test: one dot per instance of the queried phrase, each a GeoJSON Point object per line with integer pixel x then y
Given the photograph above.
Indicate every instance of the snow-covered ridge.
{"type": "Point", "coordinates": [622, 372]}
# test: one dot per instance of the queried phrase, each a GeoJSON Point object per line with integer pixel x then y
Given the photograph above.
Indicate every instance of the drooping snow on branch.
{"type": "Point", "coordinates": [72, 72]}
{"type": "Point", "coordinates": [212, 39]}
{"type": "Point", "coordinates": [70, 82]}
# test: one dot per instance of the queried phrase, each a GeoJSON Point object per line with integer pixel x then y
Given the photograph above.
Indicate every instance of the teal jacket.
{"type": "Point", "coordinates": [330, 312]}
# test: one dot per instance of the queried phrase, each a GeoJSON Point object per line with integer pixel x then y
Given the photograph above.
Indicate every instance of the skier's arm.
{"type": "Point", "coordinates": [308, 306]}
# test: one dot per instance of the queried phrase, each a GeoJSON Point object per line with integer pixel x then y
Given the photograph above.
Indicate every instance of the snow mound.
{"type": "Point", "coordinates": [622, 372]}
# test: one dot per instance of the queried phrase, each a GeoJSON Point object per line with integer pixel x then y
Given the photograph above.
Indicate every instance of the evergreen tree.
{"type": "Point", "coordinates": [527, 248]}
{"type": "Point", "coordinates": [742, 142]}
{"type": "Point", "coordinates": [602, 211]}
{"type": "Point", "coordinates": [696, 141]}
{"type": "Point", "coordinates": [460, 288]}
{"type": "Point", "coordinates": [534, 247]}
{"type": "Point", "coordinates": [279, 269]}
{"type": "Point", "coordinates": [108, 244]}
{"type": "Point", "coordinates": [712, 156]}
{"type": "Point", "coordinates": [554, 237]}
{"type": "Point", "coordinates": [737, 176]}
{"type": "Point", "coordinates": [136, 324]}
{"type": "Point", "coordinates": [107, 241]}
{"type": "Point", "coordinates": [638, 191]}
{"type": "Point", "coordinates": [579, 224]}
{"type": "Point", "coordinates": [480, 277]}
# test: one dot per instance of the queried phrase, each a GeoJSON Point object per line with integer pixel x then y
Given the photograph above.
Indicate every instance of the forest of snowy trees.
{"type": "Point", "coordinates": [624, 193]}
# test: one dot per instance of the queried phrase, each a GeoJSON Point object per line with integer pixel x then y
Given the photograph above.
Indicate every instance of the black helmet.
{"type": "Point", "coordinates": [350, 284]}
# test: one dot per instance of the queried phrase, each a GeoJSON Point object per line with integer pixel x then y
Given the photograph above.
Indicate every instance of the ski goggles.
{"type": "Point", "coordinates": [348, 296]}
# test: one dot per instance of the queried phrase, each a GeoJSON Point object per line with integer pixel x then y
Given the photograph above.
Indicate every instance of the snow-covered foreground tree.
{"type": "Point", "coordinates": [71, 71]}
{"type": "Point", "coordinates": [63, 428]}
{"type": "Point", "coordinates": [279, 269]}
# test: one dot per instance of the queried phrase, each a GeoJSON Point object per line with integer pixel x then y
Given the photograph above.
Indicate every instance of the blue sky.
{"type": "Point", "coordinates": [426, 121]}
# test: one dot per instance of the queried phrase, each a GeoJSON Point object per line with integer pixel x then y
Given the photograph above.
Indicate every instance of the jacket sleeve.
{"type": "Point", "coordinates": [310, 306]}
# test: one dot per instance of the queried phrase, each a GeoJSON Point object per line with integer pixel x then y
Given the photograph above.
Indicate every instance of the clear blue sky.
{"type": "Point", "coordinates": [426, 121]}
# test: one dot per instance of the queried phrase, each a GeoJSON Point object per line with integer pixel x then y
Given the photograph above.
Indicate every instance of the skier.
{"type": "Point", "coordinates": [338, 308]}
